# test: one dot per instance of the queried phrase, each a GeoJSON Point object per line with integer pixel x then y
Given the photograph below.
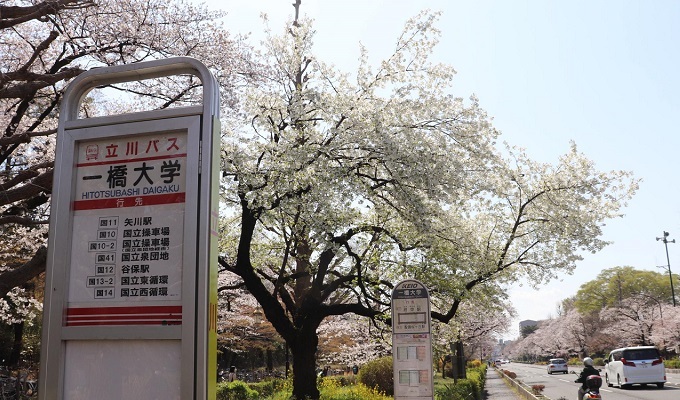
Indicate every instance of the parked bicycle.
{"type": "Point", "coordinates": [12, 388]}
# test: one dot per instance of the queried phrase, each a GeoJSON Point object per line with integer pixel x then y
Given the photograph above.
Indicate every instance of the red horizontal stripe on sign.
{"type": "Point", "coordinates": [123, 202]}
{"type": "Point", "coordinates": [123, 310]}
{"type": "Point", "coordinates": [109, 323]}
{"type": "Point", "coordinates": [124, 160]}
{"type": "Point", "coordinates": [121, 317]}
{"type": "Point", "coordinates": [138, 315]}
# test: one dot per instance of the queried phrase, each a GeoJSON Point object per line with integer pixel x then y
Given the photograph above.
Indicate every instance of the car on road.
{"type": "Point", "coordinates": [639, 365]}
{"type": "Point", "coordinates": [557, 365]}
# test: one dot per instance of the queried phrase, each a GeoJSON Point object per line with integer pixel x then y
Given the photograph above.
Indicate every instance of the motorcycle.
{"type": "Point", "coordinates": [593, 384]}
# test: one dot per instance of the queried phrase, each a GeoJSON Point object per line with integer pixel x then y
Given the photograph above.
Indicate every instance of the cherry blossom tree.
{"type": "Point", "coordinates": [549, 339]}
{"type": "Point", "coordinates": [349, 340]}
{"type": "Point", "coordinates": [479, 327]}
{"type": "Point", "coordinates": [339, 186]}
{"type": "Point", "coordinates": [579, 333]}
{"type": "Point", "coordinates": [666, 333]}
{"type": "Point", "coordinates": [332, 180]}
{"type": "Point", "coordinates": [243, 332]}
{"type": "Point", "coordinates": [528, 348]}
{"type": "Point", "coordinates": [553, 337]}
{"type": "Point", "coordinates": [633, 321]}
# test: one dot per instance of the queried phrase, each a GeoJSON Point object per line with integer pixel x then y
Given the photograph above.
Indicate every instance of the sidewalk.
{"type": "Point", "coordinates": [495, 387]}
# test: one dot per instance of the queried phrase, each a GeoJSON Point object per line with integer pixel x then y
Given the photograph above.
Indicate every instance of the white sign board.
{"type": "Point", "coordinates": [122, 255]}
{"type": "Point", "coordinates": [412, 342]}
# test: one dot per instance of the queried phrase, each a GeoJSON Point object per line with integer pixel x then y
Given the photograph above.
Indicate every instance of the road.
{"type": "Point", "coordinates": [562, 387]}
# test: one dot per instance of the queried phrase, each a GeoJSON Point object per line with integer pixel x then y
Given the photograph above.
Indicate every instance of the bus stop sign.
{"type": "Point", "coordinates": [131, 297]}
{"type": "Point", "coordinates": [412, 342]}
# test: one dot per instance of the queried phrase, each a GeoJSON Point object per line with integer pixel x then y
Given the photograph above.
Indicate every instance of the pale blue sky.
{"type": "Point", "coordinates": [601, 73]}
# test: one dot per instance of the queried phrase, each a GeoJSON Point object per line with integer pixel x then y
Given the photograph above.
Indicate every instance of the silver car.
{"type": "Point", "coordinates": [557, 365]}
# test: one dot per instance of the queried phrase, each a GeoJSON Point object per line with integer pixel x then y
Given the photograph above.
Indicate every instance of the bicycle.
{"type": "Point", "coordinates": [11, 389]}
{"type": "Point", "coordinates": [8, 389]}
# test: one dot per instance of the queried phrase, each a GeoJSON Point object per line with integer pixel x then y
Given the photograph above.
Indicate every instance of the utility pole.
{"type": "Point", "coordinates": [670, 275]}
{"type": "Point", "coordinates": [618, 281]}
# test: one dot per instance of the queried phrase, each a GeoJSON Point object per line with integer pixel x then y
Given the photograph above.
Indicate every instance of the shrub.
{"type": "Point", "coordinates": [537, 389]}
{"type": "Point", "coordinates": [358, 392]}
{"type": "Point", "coordinates": [462, 389]}
{"type": "Point", "coordinates": [236, 390]}
{"type": "Point", "coordinates": [478, 376]}
{"type": "Point", "coordinates": [675, 363]}
{"type": "Point", "coordinates": [598, 361]}
{"type": "Point", "coordinates": [470, 388]}
{"type": "Point", "coordinates": [344, 380]}
{"type": "Point", "coordinates": [268, 387]}
{"type": "Point", "coordinates": [510, 374]}
{"type": "Point", "coordinates": [378, 374]}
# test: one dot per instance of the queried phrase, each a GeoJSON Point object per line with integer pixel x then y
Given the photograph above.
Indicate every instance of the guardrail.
{"type": "Point", "coordinates": [522, 389]}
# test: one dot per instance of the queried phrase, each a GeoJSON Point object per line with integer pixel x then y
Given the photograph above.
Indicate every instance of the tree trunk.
{"type": "Point", "coordinates": [270, 361]}
{"type": "Point", "coordinates": [458, 361]}
{"type": "Point", "coordinates": [15, 356]}
{"type": "Point", "coordinates": [304, 364]}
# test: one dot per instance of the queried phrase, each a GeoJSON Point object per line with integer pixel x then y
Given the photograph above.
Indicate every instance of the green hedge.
{"type": "Point", "coordinates": [236, 390]}
{"type": "Point", "coordinates": [464, 389]}
{"type": "Point", "coordinates": [268, 387]}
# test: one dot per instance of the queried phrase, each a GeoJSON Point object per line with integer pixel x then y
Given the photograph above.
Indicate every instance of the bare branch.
{"type": "Point", "coordinates": [14, 15]}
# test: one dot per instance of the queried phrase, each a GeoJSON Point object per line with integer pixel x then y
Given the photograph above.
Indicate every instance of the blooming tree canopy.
{"type": "Point", "coordinates": [337, 186]}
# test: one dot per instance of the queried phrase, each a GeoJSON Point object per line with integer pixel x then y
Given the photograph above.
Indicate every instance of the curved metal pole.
{"type": "Point", "coordinates": [96, 77]}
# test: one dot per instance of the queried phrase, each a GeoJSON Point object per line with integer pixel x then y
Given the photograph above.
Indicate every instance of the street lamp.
{"type": "Point", "coordinates": [670, 275]}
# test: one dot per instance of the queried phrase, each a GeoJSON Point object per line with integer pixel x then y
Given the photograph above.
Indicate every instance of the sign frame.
{"type": "Point", "coordinates": [195, 332]}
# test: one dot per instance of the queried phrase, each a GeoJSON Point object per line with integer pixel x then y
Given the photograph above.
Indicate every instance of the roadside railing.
{"type": "Point", "coordinates": [522, 389]}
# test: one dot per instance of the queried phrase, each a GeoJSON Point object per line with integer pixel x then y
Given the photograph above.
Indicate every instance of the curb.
{"type": "Point", "coordinates": [522, 389]}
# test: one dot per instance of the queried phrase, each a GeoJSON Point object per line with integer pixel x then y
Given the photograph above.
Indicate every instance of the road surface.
{"type": "Point", "coordinates": [562, 387]}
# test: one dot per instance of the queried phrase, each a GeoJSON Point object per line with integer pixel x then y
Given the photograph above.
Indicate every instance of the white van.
{"type": "Point", "coordinates": [635, 366]}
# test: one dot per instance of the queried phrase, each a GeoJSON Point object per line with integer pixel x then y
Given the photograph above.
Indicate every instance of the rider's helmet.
{"type": "Point", "coordinates": [588, 361]}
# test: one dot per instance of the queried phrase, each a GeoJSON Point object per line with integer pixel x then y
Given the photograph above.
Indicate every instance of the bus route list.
{"type": "Point", "coordinates": [141, 249]}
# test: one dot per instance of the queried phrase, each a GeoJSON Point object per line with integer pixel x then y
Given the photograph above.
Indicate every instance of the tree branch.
{"type": "Point", "coordinates": [24, 273]}
{"type": "Point", "coordinates": [14, 15]}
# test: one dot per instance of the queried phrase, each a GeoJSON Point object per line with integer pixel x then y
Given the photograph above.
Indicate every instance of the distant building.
{"type": "Point", "coordinates": [527, 322]}
{"type": "Point", "coordinates": [527, 327]}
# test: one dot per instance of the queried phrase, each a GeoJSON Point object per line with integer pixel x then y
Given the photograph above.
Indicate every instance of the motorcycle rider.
{"type": "Point", "coordinates": [586, 372]}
